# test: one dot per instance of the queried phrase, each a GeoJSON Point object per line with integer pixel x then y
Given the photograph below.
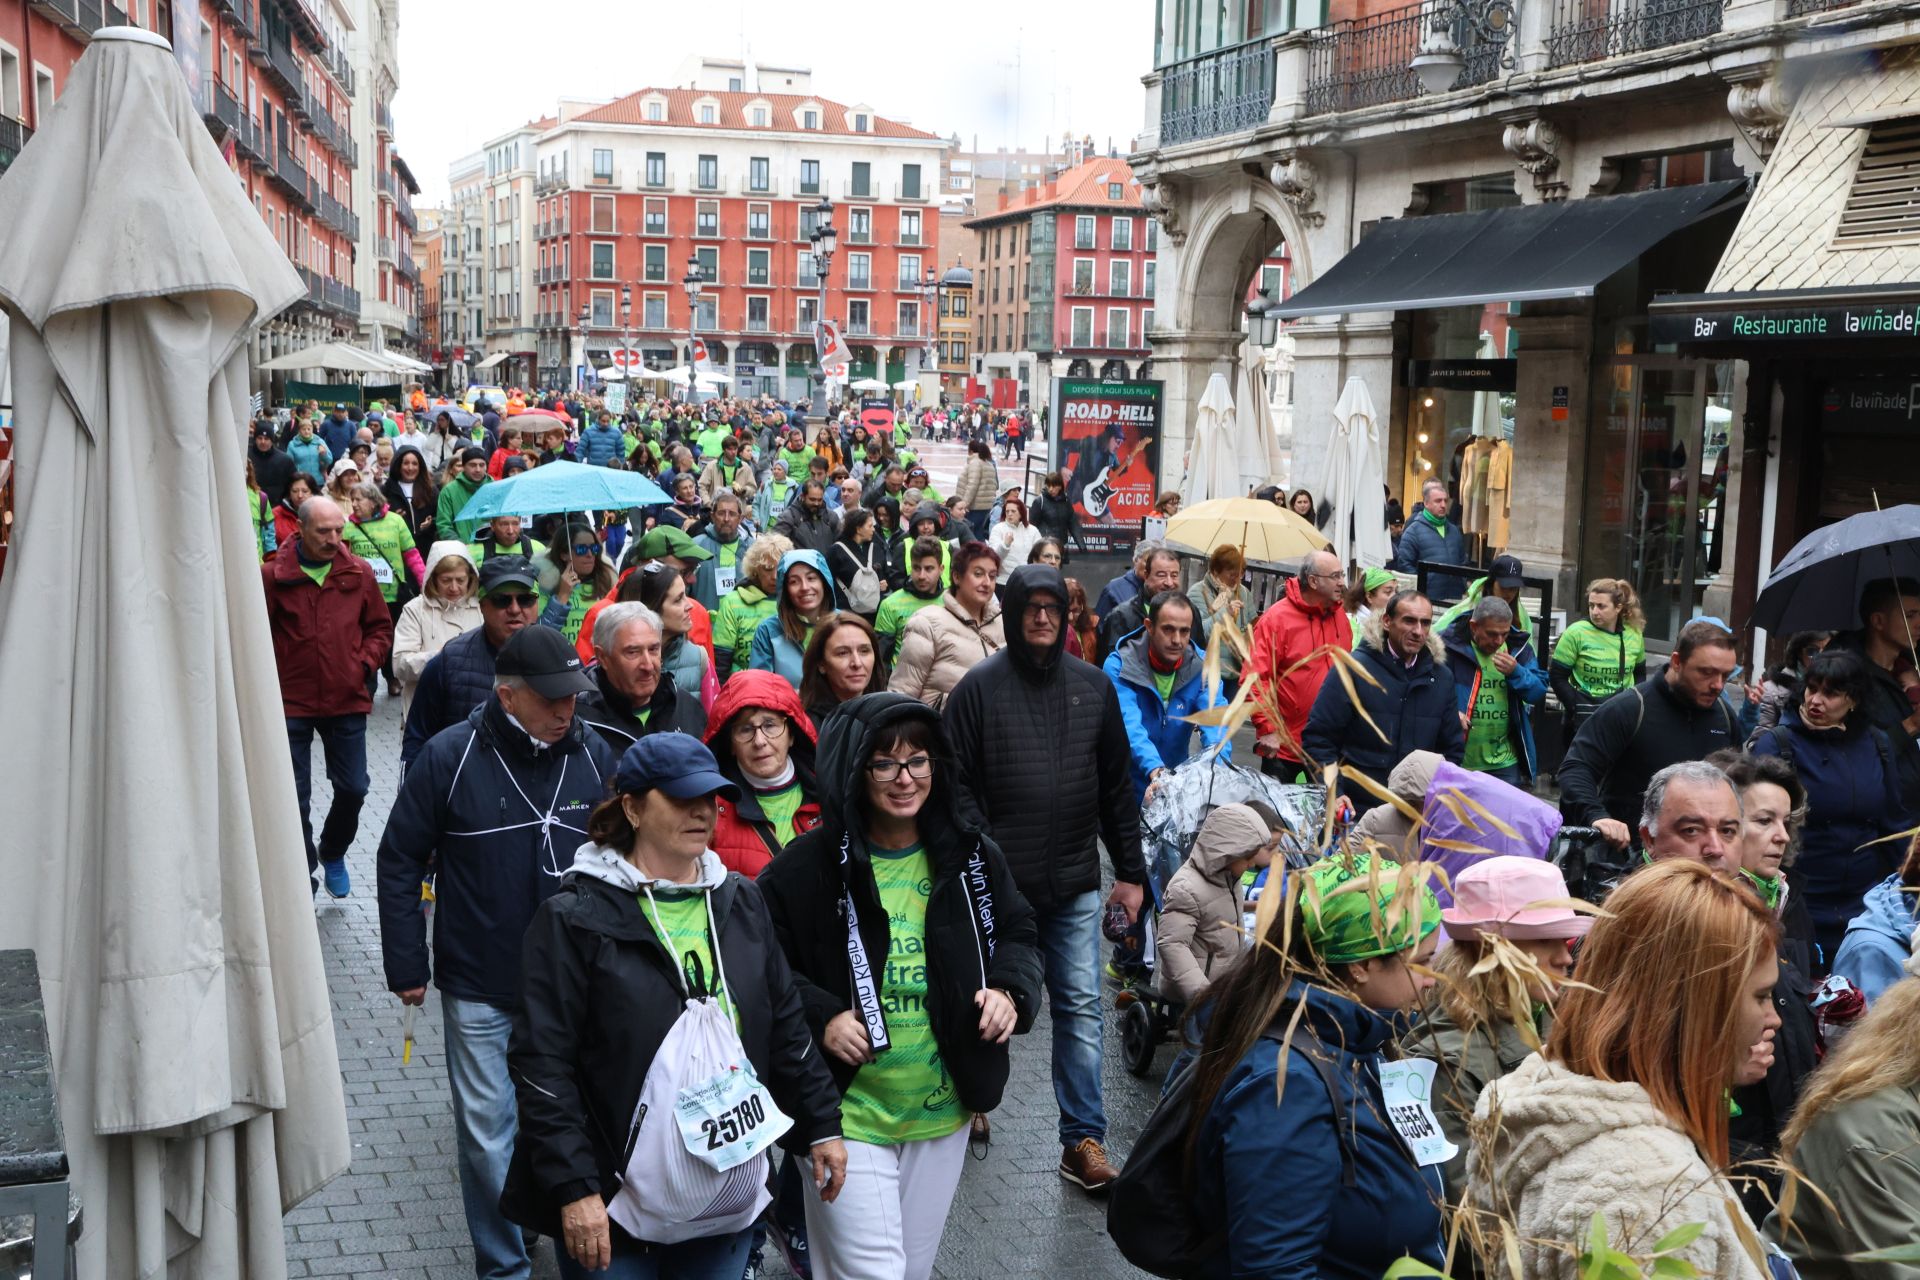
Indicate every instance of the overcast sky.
{"type": "Point", "coordinates": [1011, 72]}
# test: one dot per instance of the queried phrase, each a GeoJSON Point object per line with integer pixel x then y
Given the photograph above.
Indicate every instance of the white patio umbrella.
{"type": "Point", "coordinates": [712, 378]}
{"type": "Point", "coordinates": [199, 1081]}
{"type": "Point", "coordinates": [1358, 525]}
{"type": "Point", "coordinates": [1256, 445]}
{"type": "Point", "coordinates": [406, 363]}
{"type": "Point", "coordinates": [612, 373]}
{"type": "Point", "coordinates": [339, 357]}
{"type": "Point", "coordinates": [906, 384]}
{"type": "Point", "coordinates": [1212, 471]}
{"type": "Point", "coordinates": [868, 384]}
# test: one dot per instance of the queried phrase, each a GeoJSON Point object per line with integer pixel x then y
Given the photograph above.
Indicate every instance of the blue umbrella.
{"type": "Point", "coordinates": [563, 486]}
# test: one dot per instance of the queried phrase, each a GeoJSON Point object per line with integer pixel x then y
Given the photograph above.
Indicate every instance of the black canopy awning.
{"type": "Point", "coordinates": [1517, 254]}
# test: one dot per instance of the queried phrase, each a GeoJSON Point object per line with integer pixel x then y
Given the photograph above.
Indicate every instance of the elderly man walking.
{"type": "Point", "coordinates": [331, 631]}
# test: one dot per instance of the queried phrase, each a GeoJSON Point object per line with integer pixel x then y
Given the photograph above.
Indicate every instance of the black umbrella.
{"type": "Point", "coordinates": [1817, 586]}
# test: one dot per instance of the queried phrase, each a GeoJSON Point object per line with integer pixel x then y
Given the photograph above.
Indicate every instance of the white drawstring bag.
{"type": "Point", "coordinates": [700, 1167]}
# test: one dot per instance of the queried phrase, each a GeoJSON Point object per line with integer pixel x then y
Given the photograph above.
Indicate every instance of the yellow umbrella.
{"type": "Point", "coordinates": [1262, 530]}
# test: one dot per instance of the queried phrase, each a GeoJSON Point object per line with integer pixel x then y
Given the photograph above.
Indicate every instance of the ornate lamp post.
{"type": "Point", "coordinates": [691, 283]}
{"type": "Point", "coordinates": [826, 240]}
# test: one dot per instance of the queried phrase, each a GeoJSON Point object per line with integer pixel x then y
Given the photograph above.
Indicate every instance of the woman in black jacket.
{"type": "Point", "coordinates": [609, 964]}
{"type": "Point", "coordinates": [411, 494]}
{"type": "Point", "coordinates": [1053, 514]}
{"type": "Point", "coordinates": [899, 886]}
{"type": "Point", "coordinates": [855, 549]}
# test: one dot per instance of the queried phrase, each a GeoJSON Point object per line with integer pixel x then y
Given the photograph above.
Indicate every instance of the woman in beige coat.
{"type": "Point", "coordinates": [978, 487]}
{"type": "Point", "coordinates": [448, 605]}
{"type": "Point", "coordinates": [1201, 932]}
{"type": "Point", "coordinates": [943, 642]}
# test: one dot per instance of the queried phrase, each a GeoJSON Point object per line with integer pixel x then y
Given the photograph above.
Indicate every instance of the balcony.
{"type": "Point", "coordinates": [223, 109]}
{"type": "Point", "coordinates": [771, 187]}
{"type": "Point", "coordinates": [859, 329]}
{"type": "Point", "coordinates": [334, 62]}
{"type": "Point", "coordinates": [405, 203]}
{"type": "Point", "coordinates": [910, 240]}
{"type": "Point", "coordinates": [657, 181]}
{"type": "Point", "coordinates": [711, 183]}
{"type": "Point", "coordinates": [240, 13]}
{"type": "Point", "coordinates": [908, 284]}
{"type": "Point", "coordinates": [408, 267]}
{"type": "Point", "coordinates": [860, 282]}
{"type": "Point", "coordinates": [1591, 30]}
{"type": "Point", "coordinates": [604, 178]}
{"type": "Point", "coordinates": [284, 66]}
{"type": "Point", "coordinates": [292, 176]}
{"type": "Point", "coordinates": [248, 140]}
{"type": "Point", "coordinates": [383, 118]}
{"type": "Point", "coordinates": [549, 183]}
{"type": "Point", "coordinates": [387, 185]}
{"type": "Point", "coordinates": [916, 193]}
{"type": "Point", "coordinates": [1218, 93]}
{"type": "Point", "coordinates": [654, 227]}
{"type": "Point", "coordinates": [1365, 62]}
{"type": "Point", "coordinates": [342, 298]}
{"type": "Point", "coordinates": [13, 136]}
{"type": "Point", "coordinates": [383, 247]}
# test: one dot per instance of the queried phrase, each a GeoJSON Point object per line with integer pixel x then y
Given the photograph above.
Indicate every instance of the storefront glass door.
{"type": "Point", "coordinates": [1656, 493]}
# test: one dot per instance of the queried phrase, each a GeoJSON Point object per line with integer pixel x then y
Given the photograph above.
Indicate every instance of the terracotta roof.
{"type": "Point", "coordinates": [835, 118]}
{"type": "Point", "coordinates": [1085, 186]}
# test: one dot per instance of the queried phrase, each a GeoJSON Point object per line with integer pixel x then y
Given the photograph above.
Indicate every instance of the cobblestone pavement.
{"type": "Point", "coordinates": [397, 1211]}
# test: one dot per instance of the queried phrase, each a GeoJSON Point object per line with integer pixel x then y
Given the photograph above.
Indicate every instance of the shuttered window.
{"type": "Point", "coordinates": [1884, 203]}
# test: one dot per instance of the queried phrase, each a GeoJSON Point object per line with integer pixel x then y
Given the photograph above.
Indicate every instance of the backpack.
{"type": "Point", "coordinates": [866, 588]}
{"type": "Point", "coordinates": [1150, 1210]}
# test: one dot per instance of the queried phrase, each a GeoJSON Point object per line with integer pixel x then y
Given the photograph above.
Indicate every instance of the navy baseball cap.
{"type": "Point", "coordinates": [542, 657]}
{"type": "Point", "coordinates": [507, 571]}
{"type": "Point", "coordinates": [1505, 572]}
{"type": "Point", "coordinates": [677, 763]}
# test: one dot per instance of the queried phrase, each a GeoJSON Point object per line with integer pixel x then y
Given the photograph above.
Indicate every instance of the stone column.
{"type": "Point", "coordinates": [781, 349]}
{"type": "Point", "coordinates": [1550, 457]}
{"type": "Point", "coordinates": [881, 354]}
{"type": "Point", "coordinates": [1324, 357]}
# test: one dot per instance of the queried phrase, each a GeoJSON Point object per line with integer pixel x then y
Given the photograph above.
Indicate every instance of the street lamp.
{"type": "Point", "coordinates": [586, 316]}
{"type": "Point", "coordinates": [1263, 326]}
{"type": "Point", "coordinates": [1440, 60]}
{"type": "Point", "coordinates": [826, 240]}
{"type": "Point", "coordinates": [930, 289]}
{"type": "Point", "coordinates": [692, 285]}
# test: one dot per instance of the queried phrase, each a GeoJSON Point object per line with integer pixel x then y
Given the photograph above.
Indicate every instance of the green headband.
{"type": "Point", "coordinates": [1373, 579]}
{"type": "Point", "coordinates": [1357, 923]}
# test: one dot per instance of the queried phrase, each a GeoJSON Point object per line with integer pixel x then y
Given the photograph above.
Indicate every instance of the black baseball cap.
{"type": "Point", "coordinates": [1505, 572]}
{"type": "Point", "coordinates": [542, 657]}
{"type": "Point", "coordinates": [507, 571]}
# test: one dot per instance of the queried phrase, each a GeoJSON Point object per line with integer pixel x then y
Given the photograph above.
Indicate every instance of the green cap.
{"type": "Point", "coordinates": [664, 540]}
{"type": "Point", "coordinates": [1355, 918]}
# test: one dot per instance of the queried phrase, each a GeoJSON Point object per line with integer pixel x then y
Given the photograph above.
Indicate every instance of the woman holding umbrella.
{"type": "Point", "coordinates": [585, 576]}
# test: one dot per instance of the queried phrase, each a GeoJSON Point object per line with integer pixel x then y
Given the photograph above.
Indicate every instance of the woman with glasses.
{"type": "Point", "coordinates": [843, 662]}
{"type": "Point", "coordinates": [585, 576]}
{"type": "Point", "coordinates": [764, 744]}
{"type": "Point", "coordinates": [899, 882]}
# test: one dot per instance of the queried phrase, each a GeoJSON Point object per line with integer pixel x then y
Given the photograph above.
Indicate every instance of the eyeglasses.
{"type": "Point", "coordinates": [772, 730]}
{"type": "Point", "coordinates": [512, 599]}
{"type": "Point", "coordinates": [1044, 609]}
{"type": "Point", "coordinates": [884, 770]}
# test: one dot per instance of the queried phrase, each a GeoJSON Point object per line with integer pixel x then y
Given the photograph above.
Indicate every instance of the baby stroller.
{"type": "Point", "coordinates": [1168, 827]}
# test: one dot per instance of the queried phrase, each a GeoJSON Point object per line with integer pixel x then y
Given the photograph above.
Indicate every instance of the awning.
{"type": "Point", "coordinates": [491, 360]}
{"type": "Point", "coordinates": [1518, 254]}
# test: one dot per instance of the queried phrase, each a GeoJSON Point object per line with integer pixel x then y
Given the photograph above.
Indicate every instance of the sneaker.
{"type": "Point", "coordinates": [339, 883]}
{"type": "Point", "coordinates": [1086, 1164]}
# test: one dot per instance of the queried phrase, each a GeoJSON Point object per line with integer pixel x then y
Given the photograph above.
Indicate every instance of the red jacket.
{"type": "Point", "coordinates": [744, 838]}
{"type": "Point", "coordinates": [1288, 631]}
{"type": "Point", "coordinates": [326, 639]}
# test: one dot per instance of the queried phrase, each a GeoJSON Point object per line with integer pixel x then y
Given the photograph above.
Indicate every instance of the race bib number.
{"type": "Point", "coordinates": [724, 578]}
{"type": "Point", "coordinates": [728, 1119]}
{"type": "Point", "coordinates": [1407, 1088]}
{"type": "Point", "coordinates": [382, 571]}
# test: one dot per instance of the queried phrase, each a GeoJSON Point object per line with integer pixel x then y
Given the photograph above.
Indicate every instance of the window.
{"type": "Point", "coordinates": [757, 314]}
{"type": "Point", "coordinates": [1146, 284]}
{"type": "Point", "coordinates": [959, 301]}
{"type": "Point", "coordinates": [862, 183]}
{"type": "Point", "coordinates": [733, 84]}
{"type": "Point", "coordinates": [1120, 277]}
{"type": "Point", "coordinates": [708, 115]}
{"type": "Point", "coordinates": [709, 260]}
{"type": "Point", "coordinates": [602, 260]}
{"type": "Point", "coordinates": [759, 174]}
{"type": "Point", "coordinates": [909, 318]}
{"type": "Point", "coordinates": [602, 164]}
{"type": "Point", "coordinates": [760, 117]}
{"type": "Point", "coordinates": [656, 215]}
{"type": "Point", "coordinates": [909, 226]}
{"type": "Point", "coordinates": [602, 214]}
{"type": "Point", "coordinates": [859, 271]}
{"type": "Point", "coordinates": [1123, 234]}
{"type": "Point", "coordinates": [1116, 191]}
{"type": "Point", "coordinates": [706, 218]}
{"type": "Point", "coordinates": [1083, 232]}
{"type": "Point", "coordinates": [993, 342]}
{"type": "Point", "coordinates": [602, 310]}
{"type": "Point", "coordinates": [1082, 332]}
{"type": "Point", "coordinates": [1153, 235]}
{"type": "Point", "coordinates": [859, 316]}
{"type": "Point", "coordinates": [809, 175]}
{"type": "Point", "coordinates": [807, 271]}
{"type": "Point", "coordinates": [656, 111]}
{"type": "Point", "coordinates": [909, 182]}
{"type": "Point", "coordinates": [758, 266]}
{"type": "Point", "coordinates": [42, 94]}
{"type": "Point", "coordinates": [759, 222]}
{"type": "Point", "coordinates": [809, 119]}
{"type": "Point", "coordinates": [654, 263]}
{"type": "Point", "coordinates": [860, 226]}
{"type": "Point", "coordinates": [808, 221]}
{"type": "Point", "coordinates": [709, 173]}
{"type": "Point", "coordinates": [807, 314]}
{"type": "Point", "coordinates": [909, 271]}
{"type": "Point", "coordinates": [706, 313]}
{"type": "Point", "coordinates": [653, 311]}
{"type": "Point", "coordinates": [1118, 319]}
{"type": "Point", "coordinates": [1083, 276]}
{"type": "Point", "coordinates": [656, 168]}
{"type": "Point", "coordinates": [1146, 323]}
{"type": "Point", "coordinates": [859, 122]}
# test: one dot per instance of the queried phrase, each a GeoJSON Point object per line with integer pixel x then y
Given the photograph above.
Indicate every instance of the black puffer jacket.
{"type": "Point", "coordinates": [807, 886]}
{"type": "Point", "coordinates": [610, 714]}
{"type": "Point", "coordinates": [455, 681]}
{"type": "Point", "coordinates": [1042, 757]}
{"type": "Point", "coordinates": [600, 995]}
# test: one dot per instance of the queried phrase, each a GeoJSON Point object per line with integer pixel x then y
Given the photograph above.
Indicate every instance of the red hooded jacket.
{"type": "Point", "coordinates": [744, 836]}
{"type": "Point", "coordinates": [326, 638]}
{"type": "Point", "coordinates": [1288, 631]}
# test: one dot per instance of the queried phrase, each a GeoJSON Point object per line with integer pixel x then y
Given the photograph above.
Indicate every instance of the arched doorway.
{"type": "Point", "coordinates": [1079, 368]}
{"type": "Point", "coordinates": [1115, 368]}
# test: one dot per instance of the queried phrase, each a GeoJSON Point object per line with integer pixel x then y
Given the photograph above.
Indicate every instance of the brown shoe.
{"type": "Point", "coordinates": [1086, 1163]}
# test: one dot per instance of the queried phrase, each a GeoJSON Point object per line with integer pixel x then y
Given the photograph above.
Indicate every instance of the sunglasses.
{"type": "Point", "coordinates": [587, 549]}
{"type": "Point", "coordinates": [510, 599]}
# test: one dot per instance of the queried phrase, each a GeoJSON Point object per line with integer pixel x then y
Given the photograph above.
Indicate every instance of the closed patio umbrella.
{"type": "Point", "coordinates": [152, 841]}
{"type": "Point", "coordinates": [1358, 526]}
{"type": "Point", "coordinates": [1212, 471]}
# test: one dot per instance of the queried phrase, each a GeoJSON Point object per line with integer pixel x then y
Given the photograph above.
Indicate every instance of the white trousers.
{"type": "Point", "coordinates": [887, 1221]}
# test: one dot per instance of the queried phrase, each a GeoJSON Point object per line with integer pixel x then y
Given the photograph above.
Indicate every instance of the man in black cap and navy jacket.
{"type": "Point", "coordinates": [497, 804]}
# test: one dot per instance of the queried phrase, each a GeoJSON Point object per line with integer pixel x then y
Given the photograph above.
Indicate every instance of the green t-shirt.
{"type": "Point", "coordinates": [1603, 662]}
{"type": "Point", "coordinates": [1163, 684]}
{"type": "Point", "coordinates": [780, 807]}
{"type": "Point", "coordinates": [709, 441]}
{"type": "Point", "coordinates": [1489, 745]}
{"type": "Point", "coordinates": [796, 461]}
{"type": "Point", "coordinates": [318, 572]}
{"type": "Point", "coordinates": [897, 609]}
{"type": "Point", "coordinates": [680, 922]}
{"type": "Point", "coordinates": [905, 1094]}
{"type": "Point", "coordinates": [582, 599]}
{"type": "Point", "coordinates": [729, 554]}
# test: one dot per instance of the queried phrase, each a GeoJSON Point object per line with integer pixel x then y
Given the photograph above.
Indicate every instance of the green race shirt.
{"type": "Point", "coordinates": [709, 441]}
{"type": "Point", "coordinates": [780, 807]}
{"type": "Point", "coordinates": [383, 544]}
{"type": "Point", "coordinates": [680, 922]}
{"type": "Point", "coordinates": [897, 609]}
{"type": "Point", "coordinates": [318, 572]}
{"type": "Point", "coordinates": [1603, 662]}
{"type": "Point", "coordinates": [904, 1095]}
{"type": "Point", "coordinates": [1163, 683]}
{"type": "Point", "coordinates": [582, 599]}
{"type": "Point", "coordinates": [1489, 746]}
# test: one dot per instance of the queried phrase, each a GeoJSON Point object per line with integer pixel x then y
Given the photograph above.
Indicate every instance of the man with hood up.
{"type": "Point", "coordinates": [1041, 748]}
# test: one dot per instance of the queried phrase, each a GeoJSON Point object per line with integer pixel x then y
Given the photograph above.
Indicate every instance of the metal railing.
{"type": "Point", "coordinates": [387, 184]}
{"type": "Point", "coordinates": [859, 282]}
{"type": "Point", "coordinates": [549, 184]}
{"type": "Point", "coordinates": [405, 203]}
{"type": "Point", "coordinates": [239, 11]}
{"type": "Point", "coordinates": [1365, 62]}
{"type": "Point", "coordinates": [604, 178]}
{"type": "Point", "coordinates": [290, 172]}
{"type": "Point", "coordinates": [1591, 30]}
{"type": "Point", "coordinates": [13, 136]}
{"type": "Point", "coordinates": [1216, 93]}
{"type": "Point", "coordinates": [383, 246]}
{"type": "Point", "coordinates": [285, 67]}
{"type": "Point", "coordinates": [383, 117]}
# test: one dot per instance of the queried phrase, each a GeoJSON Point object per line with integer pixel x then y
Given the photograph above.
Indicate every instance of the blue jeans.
{"type": "Point", "coordinates": [1070, 950]}
{"type": "Point", "coordinates": [344, 740]}
{"type": "Point", "coordinates": [485, 1120]}
{"type": "Point", "coordinates": [712, 1258]}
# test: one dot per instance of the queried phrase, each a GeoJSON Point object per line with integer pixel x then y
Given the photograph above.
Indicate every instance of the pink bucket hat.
{"type": "Point", "coordinates": [1493, 894]}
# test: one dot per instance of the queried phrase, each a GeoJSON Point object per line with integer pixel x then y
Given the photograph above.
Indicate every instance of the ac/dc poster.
{"type": "Point", "coordinates": [1107, 441]}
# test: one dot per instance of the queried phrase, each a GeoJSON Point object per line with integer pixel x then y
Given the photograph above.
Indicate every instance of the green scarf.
{"type": "Point", "coordinates": [1438, 522]}
{"type": "Point", "coordinates": [1768, 887]}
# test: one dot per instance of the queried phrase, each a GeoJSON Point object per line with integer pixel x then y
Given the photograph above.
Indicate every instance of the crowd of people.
{"type": "Point", "coordinates": [815, 769]}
